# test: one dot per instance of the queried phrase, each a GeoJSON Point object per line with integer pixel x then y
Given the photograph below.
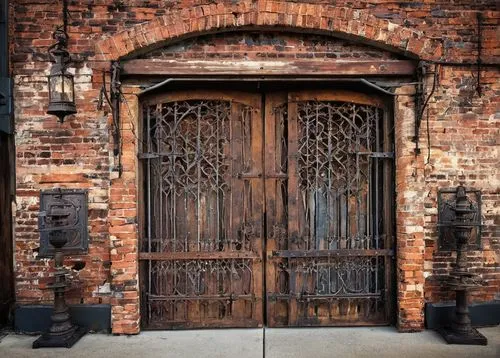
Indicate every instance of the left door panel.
{"type": "Point", "coordinates": [202, 236]}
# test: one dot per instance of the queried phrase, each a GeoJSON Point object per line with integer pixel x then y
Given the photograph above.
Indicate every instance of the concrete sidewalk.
{"type": "Point", "coordinates": [253, 343]}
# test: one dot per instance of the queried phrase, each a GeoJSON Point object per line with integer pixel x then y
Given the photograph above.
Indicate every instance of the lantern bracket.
{"type": "Point", "coordinates": [59, 50]}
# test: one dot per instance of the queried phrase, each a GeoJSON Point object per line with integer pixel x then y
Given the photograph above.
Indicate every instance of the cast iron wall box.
{"type": "Point", "coordinates": [446, 216]}
{"type": "Point", "coordinates": [70, 207]}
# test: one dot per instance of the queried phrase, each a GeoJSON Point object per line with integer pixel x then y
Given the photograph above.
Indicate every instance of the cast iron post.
{"type": "Point", "coordinates": [461, 281]}
{"type": "Point", "coordinates": [62, 333]}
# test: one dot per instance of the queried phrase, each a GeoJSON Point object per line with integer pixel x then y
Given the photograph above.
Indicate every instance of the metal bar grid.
{"type": "Point", "coordinates": [337, 256]}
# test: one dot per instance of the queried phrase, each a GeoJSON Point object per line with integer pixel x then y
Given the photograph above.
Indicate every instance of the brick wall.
{"type": "Point", "coordinates": [464, 139]}
{"type": "Point", "coordinates": [265, 45]}
{"type": "Point", "coordinates": [463, 128]}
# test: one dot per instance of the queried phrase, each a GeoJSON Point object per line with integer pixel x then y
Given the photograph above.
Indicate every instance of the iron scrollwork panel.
{"type": "Point", "coordinates": [337, 184]}
{"type": "Point", "coordinates": [189, 292]}
{"type": "Point", "coordinates": [199, 202]}
{"type": "Point", "coordinates": [328, 291]}
{"type": "Point", "coordinates": [338, 175]}
{"type": "Point", "coordinates": [188, 177]}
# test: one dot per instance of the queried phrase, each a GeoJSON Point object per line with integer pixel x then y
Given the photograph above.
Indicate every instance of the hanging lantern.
{"type": "Point", "coordinates": [61, 82]}
{"type": "Point", "coordinates": [61, 91]}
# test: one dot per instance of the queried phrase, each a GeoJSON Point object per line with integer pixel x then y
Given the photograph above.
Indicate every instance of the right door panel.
{"type": "Point", "coordinates": [329, 209]}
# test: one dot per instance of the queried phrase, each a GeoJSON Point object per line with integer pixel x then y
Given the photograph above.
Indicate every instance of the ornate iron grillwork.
{"type": "Point", "coordinates": [189, 140]}
{"type": "Point", "coordinates": [200, 238]}
{"type": "Point", "coordinates": [328, 197]}
{"type": "Point", "coordinates": [337, 142]}
{"type": "Point", "coordinates": [332, 291]}
{"type": "Point", "coordinates": [218, 284]}
{"type": "Point", "coordinates": [331, 262]}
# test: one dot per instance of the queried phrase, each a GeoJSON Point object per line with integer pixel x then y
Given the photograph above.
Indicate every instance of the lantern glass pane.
{"type": "Point", "coordinates": [56, 88]}
{"type": "Point", "coordinates": [68, 89]}
{"type": "Point", "coordinates": [61, 88]}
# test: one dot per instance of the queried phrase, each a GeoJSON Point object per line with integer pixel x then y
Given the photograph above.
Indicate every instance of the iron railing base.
{"type": "Point", "coordinates": [50, 340]}
{"type": "Point", "coordinates": [473, 337]}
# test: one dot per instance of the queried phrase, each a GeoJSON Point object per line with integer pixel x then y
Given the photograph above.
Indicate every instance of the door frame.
{"type": "Point", "coordinates": [408, 217]}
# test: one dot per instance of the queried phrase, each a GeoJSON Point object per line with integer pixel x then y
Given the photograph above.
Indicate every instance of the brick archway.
{"type": "Point", "coordinates": [357, 25]}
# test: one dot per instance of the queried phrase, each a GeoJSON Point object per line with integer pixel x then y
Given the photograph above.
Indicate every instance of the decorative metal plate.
{"type": "Point", "coordinates": [72, 202]}
{"type": "Point", "coordinates": [446, 217]}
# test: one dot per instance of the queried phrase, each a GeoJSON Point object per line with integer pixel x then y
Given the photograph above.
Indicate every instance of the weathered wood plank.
{"type": "Point", "coordinates": [269, 68]}
{"type": "Point", "coordinates": [275, 203]}
{"type": "Point", "coordinates": [255, 207]}
{"type": "Point", "coordinates": [295, 224]}
{"type": "Point", "coordinates": [338, 95]}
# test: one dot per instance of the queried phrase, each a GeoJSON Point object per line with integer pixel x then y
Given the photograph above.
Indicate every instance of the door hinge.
{"type": "Point", "coordinates": [271, 297]}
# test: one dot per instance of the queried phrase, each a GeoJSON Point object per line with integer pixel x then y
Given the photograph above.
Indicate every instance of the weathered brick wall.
{"type": "Point", "coordinates": [464, 142]}
{"type": "Point", "coordinates": [78, 153]}
{"type": "Point", "coordinates": [265, 45]}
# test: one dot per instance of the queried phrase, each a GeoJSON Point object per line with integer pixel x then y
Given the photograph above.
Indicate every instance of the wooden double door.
{"type": "Point", "coordinates": [266, 208]}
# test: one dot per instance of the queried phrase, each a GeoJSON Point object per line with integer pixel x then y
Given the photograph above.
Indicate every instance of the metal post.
{"type": "Point", "coordinates": [461, 281]}
{"type": "Point", "coordinates": [62, 333]}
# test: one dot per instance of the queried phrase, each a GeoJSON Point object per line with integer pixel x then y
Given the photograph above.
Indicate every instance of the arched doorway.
{"type": "Point", "coordinates": [314, 62]}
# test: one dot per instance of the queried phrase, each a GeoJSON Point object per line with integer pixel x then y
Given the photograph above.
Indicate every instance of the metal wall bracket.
{"type": "Point", "coordinates": [419, 103]}
{"type": "Point", "coordinates": [115, 94]}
